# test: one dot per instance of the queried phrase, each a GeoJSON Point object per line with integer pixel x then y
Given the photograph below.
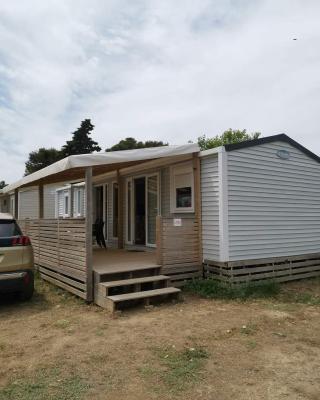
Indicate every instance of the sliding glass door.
{"type": "Point", "coordinates": [142, 208]}
{"type": "Point", "coordinates": [152, 200]}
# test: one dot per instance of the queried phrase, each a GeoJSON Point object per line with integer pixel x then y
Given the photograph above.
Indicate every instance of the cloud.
{"type": "Point", "coordinates": [155, 70]}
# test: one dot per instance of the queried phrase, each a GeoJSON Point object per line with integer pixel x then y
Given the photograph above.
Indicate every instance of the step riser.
{"type": "Point", "coordinates": [133, 285]}
{"type": "Point", "coordinates": [112, 306]}
{"type": "Point", "coordinates": [102, 291]}
{"type": "Point", "coordinates": [105, 277]}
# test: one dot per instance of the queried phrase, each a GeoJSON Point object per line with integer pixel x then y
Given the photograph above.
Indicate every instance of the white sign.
{"type": "Point", "coordinates": [177, 222]}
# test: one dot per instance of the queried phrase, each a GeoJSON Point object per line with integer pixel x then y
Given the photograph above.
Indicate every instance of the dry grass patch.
{"type": "Point", "coordinates": [46, 384]}
{"type": "Point", "coordinates": [58, 347]}
{"type": "Point", "coordinates": [175, 370]}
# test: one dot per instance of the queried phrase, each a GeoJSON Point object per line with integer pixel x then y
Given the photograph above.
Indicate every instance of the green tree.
{"type": "Point", "coordinates": [81, 142]}
{"type": "Point", "coordinates": [42, 158]}
{"type": "Point", "coordinates": [2, 184]}
{"type": "Point", "coordinates": [228, 137]}
{"type": "Point", "coordinates": [131, 143]}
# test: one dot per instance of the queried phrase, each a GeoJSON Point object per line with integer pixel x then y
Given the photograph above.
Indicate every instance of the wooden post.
{"type": "Point", "coordinates": [88, 182]}
{"type": "Point", "coordinates": [16, 203]}
{"type": "Point", "coordinates": [197, 199]}
{"type": "Point", "coordinates": [40, 191]}
{"type": "Point", "coordinates": [120, 211]}
{"type": "Point", "coordinates": [71, 201]}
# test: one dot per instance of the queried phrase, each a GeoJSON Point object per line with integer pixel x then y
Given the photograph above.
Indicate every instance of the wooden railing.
{"type": "Point", "coordinates": [60, 251]}
{"type": "Point", "coordinates": [178, 248]}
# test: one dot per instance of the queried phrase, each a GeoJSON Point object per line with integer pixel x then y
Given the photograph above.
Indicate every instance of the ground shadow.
{"type": "Point", "coordinates": [12, 302]}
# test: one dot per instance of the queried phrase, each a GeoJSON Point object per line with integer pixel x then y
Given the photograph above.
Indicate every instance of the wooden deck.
{"type": "Point", "coordinates": [115, 260]}
{"type": "Point", "coordinates": [124, 277]}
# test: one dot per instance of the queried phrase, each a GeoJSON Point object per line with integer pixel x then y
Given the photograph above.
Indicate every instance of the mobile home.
{"type": "Point", "coordinates": [239, 212]}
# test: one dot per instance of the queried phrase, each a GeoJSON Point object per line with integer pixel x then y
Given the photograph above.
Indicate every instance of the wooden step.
{"type": "Point", "coordinates": [118, 269]}
{"type": "Point", "coordinates": [125, 272]}
{"type": "Point", "coordinates": [134, 281]}
{"type": "Point", "coordinates": [146, 294]}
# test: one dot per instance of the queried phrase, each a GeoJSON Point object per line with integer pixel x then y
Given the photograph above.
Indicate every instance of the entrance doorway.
{"type": "Point", "coordinates": [140, 211]}
{"type": "Point", "coordinates": [101, 206]}
{"type": "Point", "coordinates": [145, 201]}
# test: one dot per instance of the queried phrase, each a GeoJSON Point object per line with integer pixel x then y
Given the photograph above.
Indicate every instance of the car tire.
{"type": "Point", "coordinates": [27, 292]}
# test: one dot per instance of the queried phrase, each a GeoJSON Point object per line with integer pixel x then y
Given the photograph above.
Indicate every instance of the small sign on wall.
{"type": "Point", "coordinates": [177, 222]}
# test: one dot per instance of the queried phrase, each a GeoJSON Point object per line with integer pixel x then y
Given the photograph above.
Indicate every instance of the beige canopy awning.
{"type": "Point", "coordinates": [73, 167]}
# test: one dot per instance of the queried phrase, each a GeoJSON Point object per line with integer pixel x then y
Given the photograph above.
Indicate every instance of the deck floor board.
{"type": "Point", "coordinates": [116, 260]}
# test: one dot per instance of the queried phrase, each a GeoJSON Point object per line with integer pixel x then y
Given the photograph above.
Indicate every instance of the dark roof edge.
{"type": "Point", "coordinates": [269, 139]}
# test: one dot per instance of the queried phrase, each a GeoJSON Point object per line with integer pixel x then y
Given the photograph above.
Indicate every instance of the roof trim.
{"type": "Point", "coordinates": [209, 152]}
{"type": "Point", "coordinates": [269, 139]}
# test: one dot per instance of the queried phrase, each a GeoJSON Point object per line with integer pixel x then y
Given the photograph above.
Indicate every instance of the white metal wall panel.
{"type": "Point", "coordinates": [29, 203]}
{"type": "Point", "coordinates": [210, 207]}
{"type": "Point", "coordinates": [274, 204]}
{"type": "Point", "coordinates": [5, 205]}
{"type": "Point", "coordinates": [49, 200]}
{"type": "Point", "coordinates": [11, 204]}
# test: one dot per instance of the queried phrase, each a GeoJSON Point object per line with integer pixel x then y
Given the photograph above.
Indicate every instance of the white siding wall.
{"type": "Point", "coordinates": [274, 204]}
{"type": "Point", "coordinates": [11, 204]}
{"type": "Point", "coordinates": [210, 207]}
{"type": "Point", "coordinates": [29, 203]}
{"type": "Point", "coordinates": [5, 204]}
{"type": "Point", "coordinates": [49, 200]}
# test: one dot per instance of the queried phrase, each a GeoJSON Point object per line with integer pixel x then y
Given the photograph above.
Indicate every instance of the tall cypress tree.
{"type": "Point", "coordinates": [81, 142]}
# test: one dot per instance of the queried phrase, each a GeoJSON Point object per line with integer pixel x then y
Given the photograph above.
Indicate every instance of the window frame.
{"type": "Point", "coordinates": [78, 201]}
{"type": "Point", "coordinates": [66, 195]}
{"type": "Point", "coordinates": [113, 183]}
{"type": "Point", "coordinates": [129, 212]}
{"type": "Point", "coordinates": [176, 170]}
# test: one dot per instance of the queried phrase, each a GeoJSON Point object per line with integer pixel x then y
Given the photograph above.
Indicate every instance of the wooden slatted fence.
{"type": "Point", "coordinates": [280, 269]}
{"type": "Point", "coordinates": [178, 249]}
{"type": "Point", "coordinates": [59, 251]}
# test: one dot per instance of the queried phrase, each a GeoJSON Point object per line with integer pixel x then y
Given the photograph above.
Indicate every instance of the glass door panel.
{"type": "Point", "coordinates": [152, 208]}
{"type": "Point", "coordinates": [129, 211]}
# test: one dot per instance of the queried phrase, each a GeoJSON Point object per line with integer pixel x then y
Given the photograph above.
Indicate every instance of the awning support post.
{"type": "Point", "coordinates": [88, 186]}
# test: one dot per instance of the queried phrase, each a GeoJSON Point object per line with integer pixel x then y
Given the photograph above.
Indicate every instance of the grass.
{"type": "Point", "coordinates": [62, 323]}
{"type": "Point", "coordinates": [46, 384]}
{"type": "Point", "coordinates": [212, 289]}
{"type": "Point", "coordinates": [301, 298]}
{"type": "Point", "coordinates": [181, 368]}
{"type": "Point", "coordinates": [251, 344]}
{"type": "Point", "coordinates": [249, 329]}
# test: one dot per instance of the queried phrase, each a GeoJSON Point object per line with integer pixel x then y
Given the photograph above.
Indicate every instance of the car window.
{"type": "Point", "coordinates": [9, 228]}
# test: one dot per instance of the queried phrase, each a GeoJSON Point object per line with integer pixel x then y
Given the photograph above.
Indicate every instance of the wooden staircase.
{"type": "Point", "coordinates": [131, 285]}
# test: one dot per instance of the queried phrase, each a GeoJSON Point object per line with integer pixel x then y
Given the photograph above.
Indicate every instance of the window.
{"type": "Point", "coordinates": [63, 203]}
{"type": "Point", "coordinates": [182, 196]}
{"type": "Point", "coordinates": [78, 202]}
{"type": "Point", "coordinates": [66, 198]}
{"type": "Point", "coordinates": [115, 210]}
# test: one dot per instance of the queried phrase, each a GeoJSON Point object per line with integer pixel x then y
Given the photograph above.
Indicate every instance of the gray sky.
{"type": "Point", "coordinates": [166, 70]}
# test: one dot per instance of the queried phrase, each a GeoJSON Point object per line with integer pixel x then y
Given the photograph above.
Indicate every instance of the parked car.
{"type": "Point", "coordinates": [16, 259]}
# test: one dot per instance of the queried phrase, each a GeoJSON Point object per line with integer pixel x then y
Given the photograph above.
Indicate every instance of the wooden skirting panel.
{"type": "Point", "coordinates": [178, 249]}
{"type": "Point", "coordinates": [280, 269]}
{"type": "Point", "coordinates": [59, 251]}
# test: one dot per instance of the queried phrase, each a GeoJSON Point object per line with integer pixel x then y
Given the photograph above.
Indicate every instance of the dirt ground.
{"type": "Point", "coordinates": [58, 347]}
